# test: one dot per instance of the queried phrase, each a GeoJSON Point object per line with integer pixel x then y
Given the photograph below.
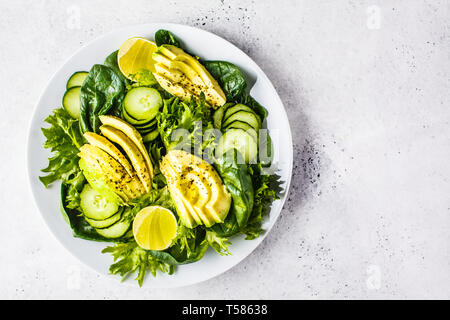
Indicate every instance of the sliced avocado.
{"type": "Point", "coordinates": [197, 185]}
{"type": "Point", "coordinates": [108, 170]}
{"type": "Point", "coordinates": [104, 144]}
{"type": "Point", "coordinates": [103, 186]}
{"type": "Point", "coordinates": [169, 51]}
{"type": "Point", "coordinates": [200, 206]}
{"type": "Point", "coordinates": [177, 78]}
{"type": "Point", "coordinates": [188, 71]}
{"type": "Point", "coordinates": [133, 134]}
{"type": "Point", "coordinates": [186, 218]}
{"type": "Point", "coordinates": [132, 151]}
{"type": "Point", "coordinates": [218, 202]}
{"type": "Point", "coordinates": [180, 55]}
{"type": "Point", "coordinates": [194, 71]}
{"type": "Point", "coordinates": [161, 59]}
{"type": "Point", "coordinates": [172, 87]}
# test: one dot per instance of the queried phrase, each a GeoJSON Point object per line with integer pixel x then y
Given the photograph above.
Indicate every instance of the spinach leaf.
{"type": "Point", "coordinates": [166, 37]}
{"type": "Point", "coordinates": [229, 77]}
{"type": "Point", "coordinates": [234, 84]}
{"type": "Point", "coordinates": [101, 93]}
{"type": "Point", "coordinates": [249, 101]}
{"type": "Point", "coordinates": [238, 181]}
{"type": "Point", "coordinates": [111, 61]}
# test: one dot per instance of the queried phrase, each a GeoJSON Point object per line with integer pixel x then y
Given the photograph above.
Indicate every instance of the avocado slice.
{"type": "Point", "coordinates": [104, 144]}
{"type": "Point", "coordinates": [132, 152]}
{"type": "Point", "coordinates": [179, 79]}
{"type": "Point", "coordinates": [105, 168]}
{"type": "Point", "coordinates": [172, 87]}
{"type": "Point", "coordinates": [105, 187]}
{"type": "Point", "coordinates": [183, 212]}
{"type": "Point", "coordinates": [132, 134]}
{"type": "Point", "coordinates": [196, 185]}
{"type": "Point", "coordinates": [175, 59]}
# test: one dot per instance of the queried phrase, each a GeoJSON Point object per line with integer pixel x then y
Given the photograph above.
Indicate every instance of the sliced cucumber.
{"type": "Point", "coordinates": [72, 102]}
{"type": "Point", "coordinates": [95, 206]}
{"type": "Point", "coordinates": [132, 120]}
{"type": "Point", "coordinates": [77, 79]}
{"type": "Point", "coordinates": [148, 125]}
{"type": "Point", "coordinates": [151, 136]}
{"type": "Point", "coordinates": [241, 141]}
{"type": "Point", "coordinates": [244, 126]}
{"type": "Point", "coordinates": [142, 103]}
{"type": "Point", "coordinates": [107, 222]}
{"type": "Point", "coordinates": [248, 117]}
{"type": "Point", "coordinates": [117, 230]}
{"type": "Point", "coordinates": [218, 115]}
{"type": "Point", "coordinates": [236, 108]}
{"type": "Point", "coordinates": [265, 149]}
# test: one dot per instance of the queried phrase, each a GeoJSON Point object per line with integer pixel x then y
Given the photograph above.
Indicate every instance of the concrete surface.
{"type": "Point", "coordinates": [366, 86]}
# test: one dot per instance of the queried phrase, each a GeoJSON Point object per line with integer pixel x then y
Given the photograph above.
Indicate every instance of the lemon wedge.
{"type": "Point", "coordinates": [154, 228]}
{"type": "Point", "coordinates": [135, 55]}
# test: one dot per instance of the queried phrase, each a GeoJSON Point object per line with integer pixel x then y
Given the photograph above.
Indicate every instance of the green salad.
{"type": "Point", "coordinates": [162, 154]}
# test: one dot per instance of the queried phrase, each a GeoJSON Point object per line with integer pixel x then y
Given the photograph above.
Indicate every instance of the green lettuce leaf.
{"type": "Point", "coordinates": [218, 242]}
{"type": "Point", "coordinates": [63, 138]}
{"type": "Point", "coordinates": [130, 258]}
{"type": "Point", "coordinates": [182, 123]}
{"type": "Point", "coordinates": [267, 189]}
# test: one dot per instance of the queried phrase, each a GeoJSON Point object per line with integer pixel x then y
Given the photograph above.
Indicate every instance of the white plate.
{"type": "Point", "coordinates": [209, 47]}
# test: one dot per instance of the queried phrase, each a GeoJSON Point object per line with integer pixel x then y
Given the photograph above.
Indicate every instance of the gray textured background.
{"type": "Point", "coordinates": [366, 88]}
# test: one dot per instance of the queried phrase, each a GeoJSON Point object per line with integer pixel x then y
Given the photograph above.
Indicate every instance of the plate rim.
{"type": "Point", "coordinates": [165, 25]}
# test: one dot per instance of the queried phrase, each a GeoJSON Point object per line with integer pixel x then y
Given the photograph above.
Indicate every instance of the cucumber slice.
{"type": "Point", "coordinates": [132, 120]}
{"type": "Point", "coordinates": [248, 117]}
{"type": "Point", "coordinates": [240, 140]}
{"type": "Point", "coordinates": [142, 103]}
{"type": "Point", "coordinates": [236, 108]}
{"type": "Point", "coordinates": [117, 230]}
{"type": "Point", "coordinates": [76, 79]}
{"type": "Point", "coordinates": [148, 125]}
{"type": "Point", "coordinates": [95, 206]}
{"type": "Point", "coordinates": [107, 222]}
{"type": "Point", "coordinates": [146, 131]}
{"type": "Point", "coordinates": [218, 115]}
{"type": "Point", "coordinates": [244, 126]}
{"type": "Point", "coordinates": [72, 102]}
{"type": "Point", "coordinates": [151, 136]}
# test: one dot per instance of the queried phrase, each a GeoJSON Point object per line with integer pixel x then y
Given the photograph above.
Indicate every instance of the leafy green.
{"type": "Point", "coordinates": [267, 189]}
{"type": "Point", "coordinates": [229, 76]}
{"type": "Point", "coordinates": [233, 83]}
{"type": "Point", "coordinates": [181, 123]}
{"type": "Point", "coordinates": [101, 93]}
{"type": "Point", "coordinates": [63, 138]}
{"type": "Point", "coordinates": [218, 242]}
{"type": "Point", "coordinates": [249, 101]}
{"type": "Point", "coordinates": [238, 181]}
{"type": "Point", "coordinates": [74, 187]}
{"type": "Point", "coordinates": [131, 258]}
{"type": "Point", "coordinates": [166, 37]}
{"type": "Point", "coordinates": [80, 228]}
{"type": "Point", "coordinates": [111, 61]}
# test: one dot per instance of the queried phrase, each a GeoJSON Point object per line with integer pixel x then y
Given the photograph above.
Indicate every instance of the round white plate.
{"type": "Point", "coordinates": [209, 47]}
